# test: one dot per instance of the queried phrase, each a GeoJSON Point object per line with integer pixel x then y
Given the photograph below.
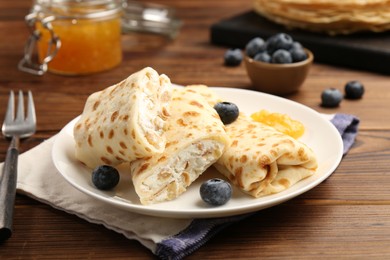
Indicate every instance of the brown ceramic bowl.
{"type": "Point", "coordinates": [278, 79]}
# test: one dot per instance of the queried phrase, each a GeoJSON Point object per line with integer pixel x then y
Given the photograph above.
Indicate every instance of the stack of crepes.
{"type": "Point", "coordinates": [328, 16]}
{"type": "Point", "coordinates": [170, 136]}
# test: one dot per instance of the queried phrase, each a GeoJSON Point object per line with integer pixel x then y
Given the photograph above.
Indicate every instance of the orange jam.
{"type": "Point", "coordinates": [90, 38]}
{"type": "Point", "coordinates": [280, 122]}
{"type": "Point", "coordinates": [86, 46]}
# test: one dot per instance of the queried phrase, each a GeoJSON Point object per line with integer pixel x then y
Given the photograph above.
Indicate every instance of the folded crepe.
{"type": "Point", "coordinates": [124, 122]}
{"type": "Point", "coordinates": [196, 138]}
{"type": "Point", "coordinates": [260, 159]}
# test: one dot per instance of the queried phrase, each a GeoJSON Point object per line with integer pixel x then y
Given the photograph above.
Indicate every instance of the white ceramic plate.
{"type": "Point", "coordinates": [320, 135]}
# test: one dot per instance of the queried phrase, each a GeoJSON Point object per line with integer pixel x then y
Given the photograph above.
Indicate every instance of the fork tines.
{"type": "Point", "coordinates": [10, 114]}
{"type": "Point", "coordinates": [10, 119]}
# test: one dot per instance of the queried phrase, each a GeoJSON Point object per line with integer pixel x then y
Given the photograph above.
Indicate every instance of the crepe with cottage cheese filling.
{"type": "Point", "coordinates": [124, 122]}
{"type": "Point", "coordinates": [260, 159]}
{"type": "Point", "coordinates": [196, 138]}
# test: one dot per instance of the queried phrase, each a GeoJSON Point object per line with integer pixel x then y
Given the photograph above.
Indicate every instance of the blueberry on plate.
{"type": "Point", "coordinates": [105, 177]}
{"type": "Point", "coordinates": [215, 192]}
{"type": "Point", "coordinates": [354, 90]}
{"type": "Point", "coordinates": [227, 111]}
{"type": "Point", "coordinates": [255, 46]}
{"type": "Point", "coordinates": [233, 57]}
{"type": "Point", "coordinates": [281, 56]}
{"type": "Point", "coordinates": [279, 41]}
{"type": "Point", "coordinates": [331, 97]}
{"type": "Point", "coordinates": [263, 56]}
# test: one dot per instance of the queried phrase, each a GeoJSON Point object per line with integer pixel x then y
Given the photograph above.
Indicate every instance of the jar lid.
{"type": "Point", "coordinates": [150, 17]}
{"type": "Point", "coordinates": [80, 9]}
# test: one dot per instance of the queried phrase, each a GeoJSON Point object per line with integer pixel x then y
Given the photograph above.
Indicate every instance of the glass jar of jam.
{"type": "Point", "coordinates": [73, 37]}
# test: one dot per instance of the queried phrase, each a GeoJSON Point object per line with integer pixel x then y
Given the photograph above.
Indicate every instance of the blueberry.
{"type": "Point", "coordinates": [255, 46]}
{"type": "Point", "coordinates": [216, 192]}
{"type": "Point", "coordinates": [263, 56]}
{"type": "Point", "coordinates": [105, 177]}
{"type": "Point", "coordinates": [354, 90]}
{"type": "Point", "coordinates": [279, 41]}
{"type": "Point", "coordinates": [233, 57]}
{"type": "Point", "coordinates": [227, 111]}
{"type": "Point", "coordinates": [296, 45]}
{"type": "Point", "coordinates": [298, 54]}
{"type": "Point", "coordinates": [281, 57]}
{"type": "Point", "coordinates": [331, 97]}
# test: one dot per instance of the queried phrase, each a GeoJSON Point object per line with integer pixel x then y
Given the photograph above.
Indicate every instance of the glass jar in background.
{"type": "Point", "coordinates": [73, 37]}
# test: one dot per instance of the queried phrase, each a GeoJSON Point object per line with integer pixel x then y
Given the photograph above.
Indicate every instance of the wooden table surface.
{"type": "Point", "coordinates": [346, 216]}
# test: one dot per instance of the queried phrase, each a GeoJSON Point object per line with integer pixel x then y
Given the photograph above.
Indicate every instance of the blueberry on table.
{"type": "Point", "coordinates": [254, 46]}
{"type": "Point", "coordinates": [216, 192]}
{"type": "Point", "coordinates": [281, 57]}
{"type": "Point", "coordinates": [354, 90]}
{"type": "Point", "coordinates": [227, 111]}
{"type": "Point", "coordinates": [279, 41]}
{"type": "Point", "coordinates": [331, 97]}
{"type": "Point", "coordinates": [105, 177]}
{"type": "Point", "coordinates": [233, 57]}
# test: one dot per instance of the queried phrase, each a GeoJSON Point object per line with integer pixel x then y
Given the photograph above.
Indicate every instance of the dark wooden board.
{"type": "Point", "coordinates": [365, 51]}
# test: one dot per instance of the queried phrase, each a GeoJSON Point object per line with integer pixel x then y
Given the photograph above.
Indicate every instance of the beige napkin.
{"type": "Point", "coordinates": [39, 179]}
{"type": "Point", "coordinates": [167, 238]}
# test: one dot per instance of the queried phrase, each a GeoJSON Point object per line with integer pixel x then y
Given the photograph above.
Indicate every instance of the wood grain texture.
{"type": "Point", "coordinates": [345, 217]}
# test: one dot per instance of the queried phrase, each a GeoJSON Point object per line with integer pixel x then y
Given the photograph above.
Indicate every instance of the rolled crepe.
{"type": "Point", "coordinates": [124, 122]}
{"type": "Point", "coordinates": [211, 97]}
{"type": "Point", "coordinates": [260, 159]}
{"type": "Point", "coordinates": [196, 138]}
{"type": "Point", "coordinates": [263, 161]}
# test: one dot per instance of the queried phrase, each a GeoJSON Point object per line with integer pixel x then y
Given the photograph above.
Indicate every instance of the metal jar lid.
{"type": "Point", "coordinates": [78, 9]}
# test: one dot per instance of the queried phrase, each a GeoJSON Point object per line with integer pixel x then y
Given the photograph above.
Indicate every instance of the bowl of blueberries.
{"type": "Point", "coordinates": [278, 65]}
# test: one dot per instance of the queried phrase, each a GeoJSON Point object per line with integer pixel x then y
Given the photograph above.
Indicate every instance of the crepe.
{"type": "Point", "coordinates": [263, 161]}
{"type": "Point", "coordinates": [330, 16]}
{"type": "Point", "coordinates": [196, 138]}
{"type": "Point", "coordinates": [125, 121]}
{"type": "Point", "coordinates": [207, 93]}
{"type": "Point", "coordinates": [260, 159]}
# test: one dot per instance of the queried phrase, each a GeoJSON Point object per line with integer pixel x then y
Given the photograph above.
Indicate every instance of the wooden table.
{"type": "Point", "coordinates": [347, 216]}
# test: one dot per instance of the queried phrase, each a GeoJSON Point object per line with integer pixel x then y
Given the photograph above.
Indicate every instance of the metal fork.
{"type": "Point", "coordinates": [16, 128]}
